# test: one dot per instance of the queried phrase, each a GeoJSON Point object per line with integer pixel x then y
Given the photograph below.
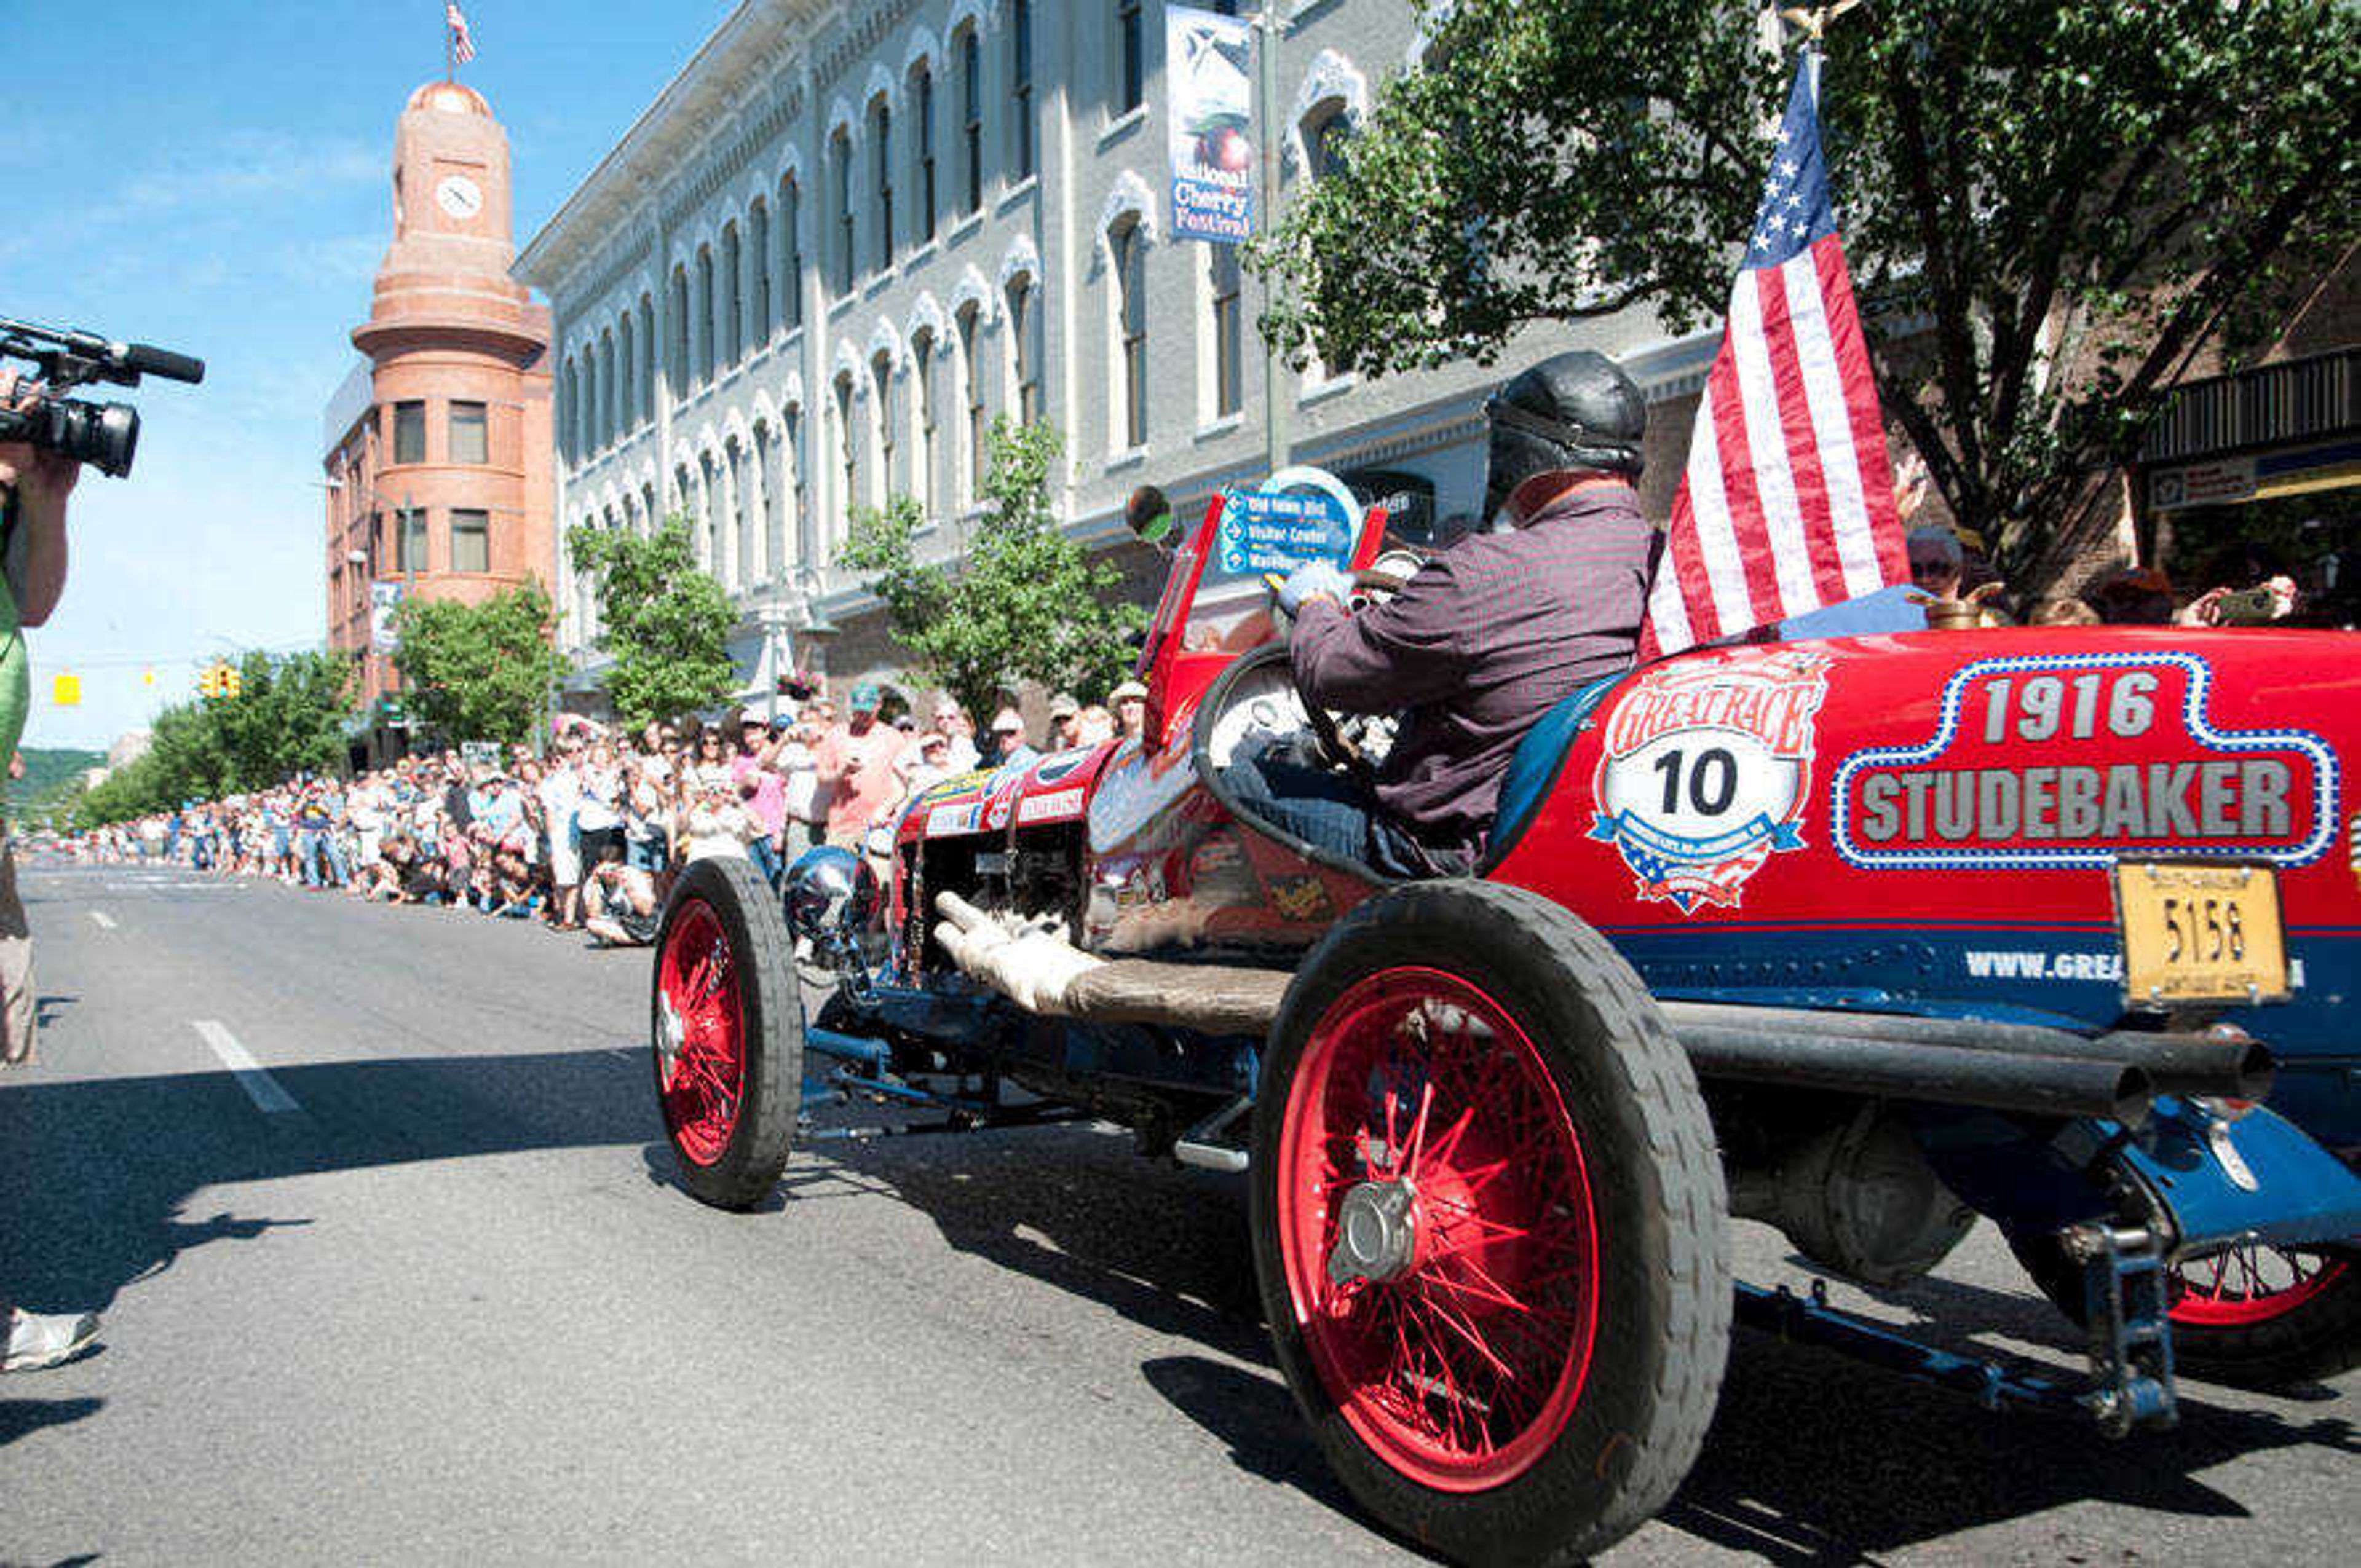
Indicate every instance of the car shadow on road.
{"type": "Point", "coordinates": [1811, 1458]}
{"type": "Point", "coordinates": [1073, 1206]}
{"type": "Point", "coordinates": [101, 1170]}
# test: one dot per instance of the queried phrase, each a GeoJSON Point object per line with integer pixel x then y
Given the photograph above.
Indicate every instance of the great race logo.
{"type": "Point", "coordinates": [1705, 770]}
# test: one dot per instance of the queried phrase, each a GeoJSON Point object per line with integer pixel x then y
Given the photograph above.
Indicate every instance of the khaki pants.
{"type": "Point", "coordinates": [16, 966]}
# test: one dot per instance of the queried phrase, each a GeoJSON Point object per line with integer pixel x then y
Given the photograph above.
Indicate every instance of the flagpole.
{"type": "Point", "coordinates": [450, 51]}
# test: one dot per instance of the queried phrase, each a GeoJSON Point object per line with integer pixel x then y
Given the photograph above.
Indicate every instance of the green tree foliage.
{"type": "Point", "coordinates": [667, 624]}
{"type": "Point", "coordinates": [479, 671]}
{"type": "Point", "coordinates": [1026, 603]}
{"type": "Point", "coordinates": [52, 781]}
{"type": "Point", "coordinates": [287, 718]}
{"type": "Point", "coordinates": [2077, 196]}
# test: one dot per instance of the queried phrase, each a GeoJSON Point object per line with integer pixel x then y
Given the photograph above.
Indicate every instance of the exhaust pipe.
{"type": "Point", "coordinates": [2229, 1067]}
{"type": "Point", "coordinates": [2001, 1066]}
{"type": "Point", "coordinates": [1913, 1069]}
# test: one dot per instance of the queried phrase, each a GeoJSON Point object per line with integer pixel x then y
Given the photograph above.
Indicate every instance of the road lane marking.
{"type": "Point", "coordinates": [252, 1077]}
{"type": "Point", "coordinates": [106, 921]}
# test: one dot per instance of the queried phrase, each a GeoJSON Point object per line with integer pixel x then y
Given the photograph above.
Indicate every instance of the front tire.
{"type": "Point", "coordinates": [727, 1031]}
{"type": "Point", "coordinates": [1488, 1226]}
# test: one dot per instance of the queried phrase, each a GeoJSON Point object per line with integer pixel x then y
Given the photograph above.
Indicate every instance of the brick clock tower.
{"type": "Point", "coordinates": [438, 447]}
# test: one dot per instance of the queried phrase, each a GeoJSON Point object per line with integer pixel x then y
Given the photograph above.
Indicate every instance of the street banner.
{"type": "Point", "coordinates": [384, 599]}
{"type": "Point", "coordinates": [1207, 64]}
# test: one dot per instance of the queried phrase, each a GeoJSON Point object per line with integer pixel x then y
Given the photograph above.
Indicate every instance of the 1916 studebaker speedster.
{"type": "Point", "coordinates": [1862, 937]}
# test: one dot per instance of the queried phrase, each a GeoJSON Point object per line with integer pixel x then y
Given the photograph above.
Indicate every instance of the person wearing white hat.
{"type": "Point", "coordinates": [1064, 712]}
{"type": "Point", "coordinates": [1009, 738]}
{"type": "Point", "coordinates": [1129, 700]}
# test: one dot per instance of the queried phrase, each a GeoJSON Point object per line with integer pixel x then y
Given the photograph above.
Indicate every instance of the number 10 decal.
{"type": "Point", "coordinates": [1705, 770]}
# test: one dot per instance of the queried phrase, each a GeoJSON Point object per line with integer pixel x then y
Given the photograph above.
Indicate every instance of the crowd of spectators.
{"type": "Point", "coordinates": [2244, 584]}
{"type": "Point", "coordinates": [589, 837]}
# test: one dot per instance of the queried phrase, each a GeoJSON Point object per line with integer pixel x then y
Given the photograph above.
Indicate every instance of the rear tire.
{"type": "Point", "coordinates": [2251, 1317]}
{"type": "Point", "coordinates": [1529, 1376]}
{"type": "Point", "coordinates": [726, 1025]}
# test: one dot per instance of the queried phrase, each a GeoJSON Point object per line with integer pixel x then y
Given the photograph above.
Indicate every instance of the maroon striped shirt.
{"type": "Point", "coordinates": [1487, 637]}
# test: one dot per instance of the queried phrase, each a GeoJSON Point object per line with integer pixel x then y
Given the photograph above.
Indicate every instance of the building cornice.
{"type": "Point", "coordinates": [751, 49]}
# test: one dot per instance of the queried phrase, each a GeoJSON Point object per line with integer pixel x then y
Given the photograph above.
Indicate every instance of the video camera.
{"type": "Point", "coordinates": [102, 434]}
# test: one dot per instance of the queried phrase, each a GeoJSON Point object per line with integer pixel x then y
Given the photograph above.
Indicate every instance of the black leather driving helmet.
{"type": "Point", "coordinates": [1575, 410]}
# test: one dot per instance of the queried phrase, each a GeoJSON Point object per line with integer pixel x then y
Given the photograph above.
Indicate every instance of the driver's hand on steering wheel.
{"type": "Point", "coordinates": [1313, 580]}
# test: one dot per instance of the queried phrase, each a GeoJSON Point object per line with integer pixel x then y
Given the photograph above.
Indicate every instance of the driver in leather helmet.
{"type": "Point", "coordinates": [1483, 639]}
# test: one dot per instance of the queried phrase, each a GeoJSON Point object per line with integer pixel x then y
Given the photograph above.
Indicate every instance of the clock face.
{"type": "Point", "coordinates": [459, 196]}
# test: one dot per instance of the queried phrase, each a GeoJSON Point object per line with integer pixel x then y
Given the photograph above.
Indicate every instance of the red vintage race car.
{"type": "Point", "coordinates": [1861, 936]}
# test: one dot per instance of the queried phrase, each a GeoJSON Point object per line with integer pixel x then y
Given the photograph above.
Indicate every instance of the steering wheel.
{"type": "Point", "coordinates": [1335, 749]}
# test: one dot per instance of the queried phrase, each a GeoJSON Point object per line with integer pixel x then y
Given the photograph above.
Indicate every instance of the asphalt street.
{"type": "Point", "coordinates": [394, 1270]}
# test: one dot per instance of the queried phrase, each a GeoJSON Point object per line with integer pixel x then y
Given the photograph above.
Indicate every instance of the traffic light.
{"type": "Point", "coordinates": [233, 681]}
{"type": "Point", "coordinates": [209, 681]}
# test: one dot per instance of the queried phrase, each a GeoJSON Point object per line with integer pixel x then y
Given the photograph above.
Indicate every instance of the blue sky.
{"type": "Point", "coordinates": [212, 178]}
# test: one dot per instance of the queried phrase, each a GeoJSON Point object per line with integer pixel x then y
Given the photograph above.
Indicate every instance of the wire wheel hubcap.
{"type": "Point", "coordinates": [700, 1036]}
{"type": "Point", "coordinates": [1437, 1231]}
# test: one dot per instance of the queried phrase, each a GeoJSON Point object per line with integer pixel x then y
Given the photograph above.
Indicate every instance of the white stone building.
{"type": "Point", "coordinates": [846, 235]}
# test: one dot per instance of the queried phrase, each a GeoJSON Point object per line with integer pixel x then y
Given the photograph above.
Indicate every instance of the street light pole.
{"type": "Point", "coordinates": [1270, 28]}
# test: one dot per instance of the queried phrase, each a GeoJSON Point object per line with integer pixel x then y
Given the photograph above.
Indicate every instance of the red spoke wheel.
{"type": "Point", "coordinates": [726, 1029]}
{"type": "Point", "coordinates": [1488, 1224]}
{"type": "Point", "coordinates": [2268, 1315]}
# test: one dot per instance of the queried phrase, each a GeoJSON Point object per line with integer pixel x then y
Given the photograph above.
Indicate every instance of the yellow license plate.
{"type": "Point", "coordinates": [2196, 931]}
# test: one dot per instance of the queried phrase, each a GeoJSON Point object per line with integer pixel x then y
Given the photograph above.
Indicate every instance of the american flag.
{"type": "Point", "coordinates": [1788, 502]}
{"type": "Point", "coordinates": [463, 46]}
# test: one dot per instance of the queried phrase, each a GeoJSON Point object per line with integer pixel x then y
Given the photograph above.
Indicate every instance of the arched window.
{"type": "Point", "coordinates": [847, 471]}
{"type": "Point", "coordinates": [1130, 57]}
{"type": "Point", "coordinates": [884, 417]}
{"type": "Point", "coordinates": [741, 521]}
{"type": "Point", "coordinates": [647, 359]}
{"type": "Point", "coordinates": [798, 524]}
{"type": "Point", "coordinates": [569, 391]}
{"type": "Point", "coordinates": [758, 267]}
{"type": "Point", "coordinates": [841, 159]}
{"type": "Point", "coordinates": [676, 344]}
{"type": "Point", "coordinates": [683, 498]}
{"type": "Point", "coordinates": [880, 136]}
{"type": "Point", "coordinates": [1127, 247]}
{"type": "Point", "coordinates": [1024, 347]}
{"type": "Point", "coordinates": [627, 371]}
{"type": "Point", "coordinates": [791, 249]}
{"type": "Point", "coordinates": [733, 298]}
{"type": "Point", "coordinates": [923, 357]}
{"type": "Point", "coordinates": [970, 74]}
{"type": "Point", "coordinates": [708, 532]}
{"type": "Point", "coordinates": [766, 510]}
{"type": "Point", "coordinates": [1020, 89]}
{"type": "Point", "coordinates": [1226, 372]}
{"type": "Point", "coordinates": [922, 152]}
{"type": "Point", "coordinates": [1328, 130]}
{"type": "Point", "coordinates": [704, 315]}
{"type": "Point", "coordinates": [607, 424]}
{"type": "Point", "coordinates": [968, 322]}
{"type": "Point", "coordinates": [647, 509]}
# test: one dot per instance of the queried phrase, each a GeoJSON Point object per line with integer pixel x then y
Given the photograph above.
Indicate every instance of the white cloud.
{"type": "Point", "coordinates": [242, 166]}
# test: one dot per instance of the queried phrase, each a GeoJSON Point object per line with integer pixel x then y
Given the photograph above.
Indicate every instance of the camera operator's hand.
{"type": "Point", "coordinates": [41, 480]}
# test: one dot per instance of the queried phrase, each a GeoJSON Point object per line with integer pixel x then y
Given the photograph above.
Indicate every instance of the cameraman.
{"type": "Point", "coordinates": [34, 485]}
